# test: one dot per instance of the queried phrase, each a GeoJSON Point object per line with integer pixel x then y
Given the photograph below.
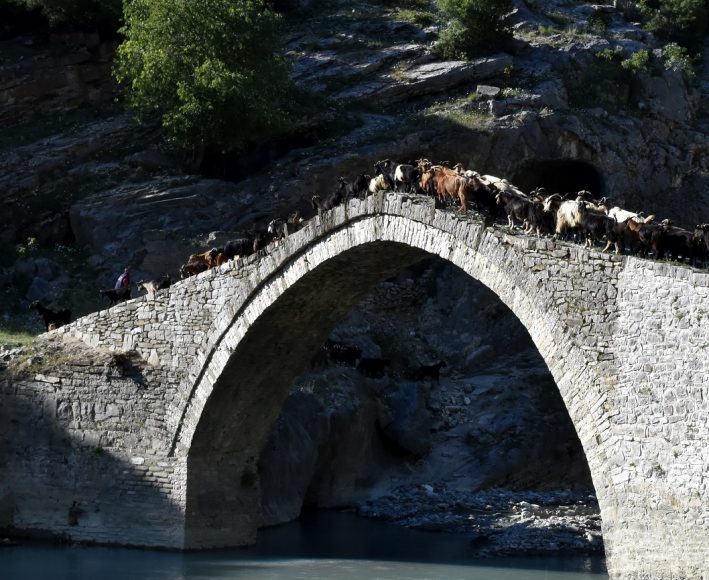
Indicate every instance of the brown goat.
{"type": "Point", "coordinates": [447, 184]}
{"type": "Point", "coordinates": [209, 258]}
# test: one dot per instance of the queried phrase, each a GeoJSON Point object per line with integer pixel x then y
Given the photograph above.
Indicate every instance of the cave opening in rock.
{"type": "Point", "coordinates": [559, 176]}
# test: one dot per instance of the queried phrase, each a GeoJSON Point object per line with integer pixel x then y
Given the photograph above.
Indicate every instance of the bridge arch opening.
{"type": "Point", "coordinates": [224, 475]}
{"type": "Point", "coordinates": [560, 176]}
{"type": "Point", "coordinates": [347, 436]}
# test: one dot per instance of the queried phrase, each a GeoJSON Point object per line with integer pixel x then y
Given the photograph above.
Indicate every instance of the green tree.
{"type": "Point", "coordinates": [683, 21]}
{"type": "Point", "coordinates": [210, 69]}
{"type": "Point", "coordinates": [474, 26]}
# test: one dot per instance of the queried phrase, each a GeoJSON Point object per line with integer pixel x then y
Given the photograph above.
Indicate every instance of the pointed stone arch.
{"type": "Point", "coordinates": [321, 284]}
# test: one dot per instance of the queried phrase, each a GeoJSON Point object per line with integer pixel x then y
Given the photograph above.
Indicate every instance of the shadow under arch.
{"type": "Point", "coordinates": [272, 339]}
{"type": "Point", "coordinates": [276, 349]}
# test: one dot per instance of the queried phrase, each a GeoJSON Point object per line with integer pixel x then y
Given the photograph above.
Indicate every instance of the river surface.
{"type": "Point", "coordinates": [323, 546]}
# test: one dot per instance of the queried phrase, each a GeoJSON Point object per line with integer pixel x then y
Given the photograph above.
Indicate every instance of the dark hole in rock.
{"type": "Point", "coordinates": [559, 176]}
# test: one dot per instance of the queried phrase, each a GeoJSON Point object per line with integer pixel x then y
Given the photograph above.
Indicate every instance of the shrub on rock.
{"type": "Point", "coordinates": [210, 70]}
{"type": "Point", "coordinates": [474, 27]}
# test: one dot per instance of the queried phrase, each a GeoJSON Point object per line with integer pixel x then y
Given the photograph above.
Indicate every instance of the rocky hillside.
{"type": "Point", "coordinates": [84, 189]}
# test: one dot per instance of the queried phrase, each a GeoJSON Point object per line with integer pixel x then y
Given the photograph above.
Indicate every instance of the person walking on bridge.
{"type": "Point", "coordinates": [123, 280]}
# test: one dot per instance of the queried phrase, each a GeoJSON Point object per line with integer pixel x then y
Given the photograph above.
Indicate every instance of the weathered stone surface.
{"type": "Point", "coordinates": [318, 66]}
{"type": "Point", "coordinates": [297, 435]}
{"type": "Point", "coordinates": [406, 423]}
{"type": "Point", "coordinates": [552, 94]}
{"type": "Point", "coordinates": [131, 223]}
{"type": "Point", "coordinates": [178, 381]}
{"type": "Point", "coordinates": [666, 96]}
{"type": "Point", "coordinates": [646, 163]}
{"type": "Point", "coordinates": [435, 77]}
{"type": "Point", "coordinates": [67, 74]}
{"type": "Point", "coordinates": [488, 91]}
{"type": "Point", "coordinates": [62, 167]}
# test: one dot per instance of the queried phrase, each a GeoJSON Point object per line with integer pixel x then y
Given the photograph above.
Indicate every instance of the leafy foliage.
{"type": "Point", "coordinates": [676, 57]}
{"type": "Point", "coordinates": [611, 77]}
{"type": "Point", "coordinates": [474, 27]}
{"type": "Point", "coordinates": [683, 21]}
{"type": "Point", "coordinates": [637, 63]}
{"type": "Point", "coordinates": [210, 69]}
{"type": "Point", "coordinates": [604, 82]}
{"type": "Point", "coordinates": [599, 21]}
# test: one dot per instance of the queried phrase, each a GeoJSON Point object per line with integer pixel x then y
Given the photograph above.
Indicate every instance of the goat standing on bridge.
{"type": "Point", "coordinates": [52, 318]}
{"type": "Point", "coordinates": [116, 295]}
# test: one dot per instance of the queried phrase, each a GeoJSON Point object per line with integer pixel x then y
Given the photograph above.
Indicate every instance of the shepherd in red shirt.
{"type": "Point", "coordinates": [123, 280]}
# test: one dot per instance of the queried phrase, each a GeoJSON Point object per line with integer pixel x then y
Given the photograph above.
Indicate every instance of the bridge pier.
{"type": "Point", "coordinates": [223, 507]}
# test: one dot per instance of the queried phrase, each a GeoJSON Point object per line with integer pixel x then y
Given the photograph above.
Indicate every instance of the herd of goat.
{"type": "Point", "coordinates": [567, 216]}
{"type": "Point", "coordinates": [576, 216]}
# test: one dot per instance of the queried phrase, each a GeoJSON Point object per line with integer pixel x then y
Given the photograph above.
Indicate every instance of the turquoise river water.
{"type": "Point", "coordinates": [325, 546]}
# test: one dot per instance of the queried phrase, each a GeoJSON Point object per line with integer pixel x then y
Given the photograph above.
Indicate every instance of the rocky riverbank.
{"type": "Point", "coordinates": [498, 521]}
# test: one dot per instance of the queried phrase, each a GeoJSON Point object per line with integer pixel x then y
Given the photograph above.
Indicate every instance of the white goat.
{"type": "Point", "coordinates": [568, 216]}
{"type": "Point", "coordinates": [148, 287]}
{"type": "Point", "coordinates": [378, 183]}
{"type": "Point", "coordinates": [599, 208]}
{"type": "Point", "coordinates": [623, 215]}
{"type": "Point", "coordinates": [570, 213]}
{"type": "Point", "coordinates": [502, 185]}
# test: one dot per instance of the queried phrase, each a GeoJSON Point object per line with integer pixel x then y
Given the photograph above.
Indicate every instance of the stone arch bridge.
{"type": "Point", "coordinates": [142, 424]}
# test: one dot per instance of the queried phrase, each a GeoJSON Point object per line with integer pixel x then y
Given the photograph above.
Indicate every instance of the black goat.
{"type": "Point", "coordinates": [701, 235]}
{"type": "Point", "coordinates": [482, 196]}
{"type": "Point", "coordinates": [432, 372]}
{"type": "Point", "coordinates": [587, 196]}
{"type": "Point", "coordinates": [54, 318]}
{"type": "Point", "coordinates": [320, 359]}
{"type": "Point", "coordinates": [163, 282]}
{"type": "Point", "coordinates": [373, 367]}
{"type": "Point", "coordinates": [528, 211]}
{"type": "Point", "coordinates": [116, 295]}
{"type": "Point", "coordinates": [240, 247]}
{"type": "Point", "coordinates": [596, 227]}
{"type": "Point", "coordinates": [154, 285]}
{"type": "Point", "coordinates": [407, 177]}
{"type": "Point", "coordinates": [357, 188]}
{"type": "Point", "coordinates": [639, 236]}
{"type": "Point", "coordinates": [331, 201]}
{"type": "Point", "coordinates": [546, 220]}
{"type": "Point", "coordinates": [387, 169]}
{"type": "Point", "coordinates": [279, 228]}
{"type": "Point", "coordinates": [677, 242]}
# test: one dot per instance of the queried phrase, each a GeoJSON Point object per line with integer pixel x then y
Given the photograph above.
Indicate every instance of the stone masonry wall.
{"type": "Point", "coordinates": [625, 339]}
{"type": "Point", "coordinates": [82, 431]}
